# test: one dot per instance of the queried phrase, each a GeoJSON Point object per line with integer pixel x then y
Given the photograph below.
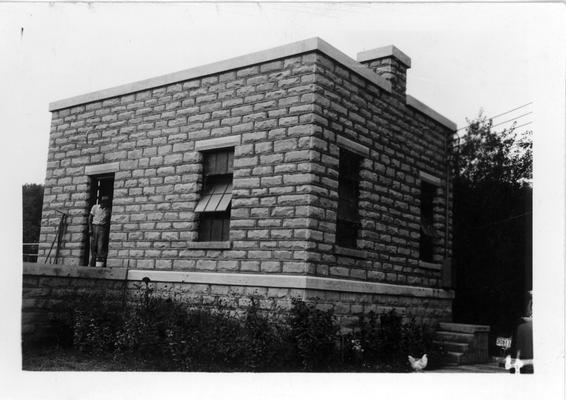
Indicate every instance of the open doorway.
{"type": "Point", "coordinates": [99, 185]}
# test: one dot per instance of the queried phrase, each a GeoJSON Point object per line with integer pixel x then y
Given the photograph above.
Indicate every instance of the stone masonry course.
{"type": "Point", "coordinates": [287, 118]}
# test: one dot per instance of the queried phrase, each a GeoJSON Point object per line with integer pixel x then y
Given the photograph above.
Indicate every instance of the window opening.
{"type": "Point", "coordinates": [348, 221]}
{"type": "Point", "coordinates": [428, 233]}
{"type": "Point", "coordinates": [216, 196]}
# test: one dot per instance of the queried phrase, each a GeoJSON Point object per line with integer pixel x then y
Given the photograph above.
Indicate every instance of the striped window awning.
{"type": "Point", "coordinates": [216, 198]}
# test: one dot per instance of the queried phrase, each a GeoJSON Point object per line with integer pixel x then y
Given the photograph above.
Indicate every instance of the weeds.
{"type": "Point", "coordinates": [165, 334]}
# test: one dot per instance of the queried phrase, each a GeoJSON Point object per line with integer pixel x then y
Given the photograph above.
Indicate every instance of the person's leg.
{"type": "Point", "coordinates": [99, 241]}
{"type": "Point", "coordinates": [93, 247]}
{"type": "Point", "coordinates": [103, 249]}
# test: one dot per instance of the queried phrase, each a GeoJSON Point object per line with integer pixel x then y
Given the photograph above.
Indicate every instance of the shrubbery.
{"type": "Point", "coordinates": [386, 342]}
{"type": "Point", "coordinates": [165, 334]}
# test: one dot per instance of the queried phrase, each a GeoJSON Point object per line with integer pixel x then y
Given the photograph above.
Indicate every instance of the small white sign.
{"type": "Point", "coordinates": [503, 342]}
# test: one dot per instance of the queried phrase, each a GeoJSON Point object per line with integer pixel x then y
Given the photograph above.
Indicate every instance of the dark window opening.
{"type": "Point", "coordinates": [428, 233]}
{"type": "Point", "coordinates": [216, 196]}
{"type": "Point", "coordinates": [348, 221]}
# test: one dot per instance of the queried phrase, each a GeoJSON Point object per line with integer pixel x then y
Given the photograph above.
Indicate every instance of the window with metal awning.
{"type": "Point", "coordinates": [216, 196]}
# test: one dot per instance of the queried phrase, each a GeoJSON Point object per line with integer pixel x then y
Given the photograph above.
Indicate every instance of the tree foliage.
{"type": "Point", "coordinates": [484, 156]}
{"type": "Point", "coordinates": [32, 196]}
{"type": "Point", "coordinates": [492, 225]}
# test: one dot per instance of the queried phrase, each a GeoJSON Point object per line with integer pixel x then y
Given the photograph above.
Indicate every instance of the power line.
{"type": "Point", "coordinates": [461, 138]}
{"type": "Point", "coordinates": [512, 119]}
{"type": "Point", "coordinates": [499, 115]}
{"type": "Point", "coordinates": [462, 142]}
{"type": "Point", "coordinates": [507, 112]}
{"type": "Point", "coordinates": [526, 123]}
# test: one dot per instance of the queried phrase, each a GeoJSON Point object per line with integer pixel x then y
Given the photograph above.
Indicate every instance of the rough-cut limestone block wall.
{"type": "Point", "coordinates": [152, 134]}
{"type": "Point", "coordinates": [288, 113]}
{"type": "Point", "coordinates": [393, 70]}
{"type": "Point", "coordinates": [42, 297]}
{"type": "Point", "coordinates": [348, 306]}
{"type": "Point", "coordinates": [47, 287]}
{"type": "Point", "coordinates": [402, 143]}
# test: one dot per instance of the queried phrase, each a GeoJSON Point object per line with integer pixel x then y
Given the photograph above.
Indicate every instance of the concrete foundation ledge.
{"type": "Point", "coordinates": [238, 279]}
{"type": "Point", "coordinates": [73, 271]}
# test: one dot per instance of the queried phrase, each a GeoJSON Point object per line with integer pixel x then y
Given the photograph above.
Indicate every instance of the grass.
{"type": "Point", "coordinates": [56, 358]}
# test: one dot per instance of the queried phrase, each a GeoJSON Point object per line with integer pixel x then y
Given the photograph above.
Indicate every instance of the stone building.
{"type": "Point", "coordinates": [295, 171]}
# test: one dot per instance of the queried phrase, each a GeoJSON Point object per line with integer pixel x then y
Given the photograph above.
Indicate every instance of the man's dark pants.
{"type": "Point", "coordinates": [98, 243]}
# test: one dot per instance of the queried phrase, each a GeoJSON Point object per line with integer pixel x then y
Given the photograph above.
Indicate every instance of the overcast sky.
{"type": "Point", "coordinates": [464, 57]}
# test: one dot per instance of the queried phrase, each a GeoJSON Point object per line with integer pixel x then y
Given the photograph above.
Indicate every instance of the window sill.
{"type": "Point", "coordinates": [430, 265]}
{"type": "Point", "coordinates": [210, 245]}
{"type": "Point", "coordinates": [345, 251]}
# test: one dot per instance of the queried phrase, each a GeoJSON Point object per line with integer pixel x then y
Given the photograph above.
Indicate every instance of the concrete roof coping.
{"type": "Point", "coordinates": [420, 106]}
{"type": "Point", "coordinates": [385, 51]}
{"type": "Point", "coordinates": [288, 50]}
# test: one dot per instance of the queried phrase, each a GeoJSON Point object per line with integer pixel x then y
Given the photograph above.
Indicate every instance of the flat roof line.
{"type": "Point", "coordinates": [288, 50]}
{"type": "Point", "coordinates": [422, 107]}
{"type": "Point", "coordinates": [259, 57]}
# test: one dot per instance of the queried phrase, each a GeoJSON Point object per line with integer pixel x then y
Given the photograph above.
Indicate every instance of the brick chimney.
{"type": "Point", "coordinates": [390, 63]}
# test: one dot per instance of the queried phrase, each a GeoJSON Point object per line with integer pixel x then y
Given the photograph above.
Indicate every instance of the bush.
{"type": "Point", "coordinates": [169, 335]}
{"type": "Point", "coordinates": [165, 334]}
{"type": "Point", "coordinates": [88, 323]}
{"type": "Point", "coordinates": [265, 344]}
{"type": "Point", "coordinates": [313, 336]}
{"type": "Point", "coordinates": [201, 340]}
{"type": "Point", "coordinates": [388, 343]}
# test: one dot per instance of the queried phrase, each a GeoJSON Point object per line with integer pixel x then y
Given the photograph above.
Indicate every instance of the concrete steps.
{"type": "Point", "coordinates": [453, 358]}
{"type": "Point", "coordinates": [462, 343]}
{"type": "Point", "coordinates": [462, 328]}
{"type": "Point", "coordinates": [453, 346]}
{"type": "Point", "coordinates": [456, 337]}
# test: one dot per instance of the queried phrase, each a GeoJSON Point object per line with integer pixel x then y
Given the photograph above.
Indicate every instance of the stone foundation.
{"type": "Point", "coordinates": [46, 286]}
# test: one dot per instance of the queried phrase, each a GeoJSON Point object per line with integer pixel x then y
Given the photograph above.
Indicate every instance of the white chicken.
{"type": "Point", "coordinates": [420, 364]}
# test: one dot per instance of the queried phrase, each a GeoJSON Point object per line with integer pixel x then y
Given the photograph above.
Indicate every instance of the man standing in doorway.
{"type": "Point", "coordinates": [98, 227]}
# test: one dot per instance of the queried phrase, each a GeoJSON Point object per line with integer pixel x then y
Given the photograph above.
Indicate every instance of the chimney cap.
{"type": "Point", "coordinates": [382, 52]}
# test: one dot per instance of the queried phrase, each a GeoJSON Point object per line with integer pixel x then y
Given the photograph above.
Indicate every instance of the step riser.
{"type": "Point", "coordinates": [453, 358]}
{"type": "Point", "coordinates": [452, 346]}
{"type": "Point", "coordinates": [462, 328]}
{"type": "Point", "coordinates": [462, 343]}
{"type": "Point", "coordinates": [454, 337]}
{"type": "Point", "coordinates": [464, 358]}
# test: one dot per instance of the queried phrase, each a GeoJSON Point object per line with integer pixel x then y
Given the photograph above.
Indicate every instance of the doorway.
{"type": "Point", "coordinates": [99, 185]}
